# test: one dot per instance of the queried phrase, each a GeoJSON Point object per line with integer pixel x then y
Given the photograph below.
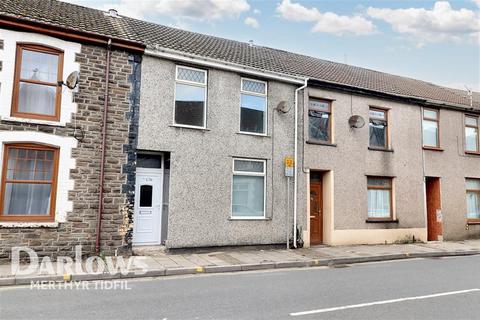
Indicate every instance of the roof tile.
{"type": "Point", "coordinates": [80, 18]}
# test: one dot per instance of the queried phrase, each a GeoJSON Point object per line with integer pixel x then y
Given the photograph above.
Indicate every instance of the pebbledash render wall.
{"type": "Point", "coordinates": [347, 163]}
{"type": "Point", "coordinates": [453, 166]}
{"type": "Point", "coordinates": [201, 160]}
{"type": "Point", "coordinates": [78, 135]}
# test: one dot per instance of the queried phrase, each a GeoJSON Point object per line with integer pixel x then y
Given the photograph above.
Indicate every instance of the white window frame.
{"type": "Point", "coordinates": [191, 83]}
{"type": "Point", "coordinates": [250, 174]}
{"type": "Point", "coordinates": [465, 126]}
{"type": "Point", "coordinates": [331, 117]}
{"type": "Point", "coordinates": [265, 124]}
{"type": "Point", "coordinates": [474, 220]}
{"type": "Point", "coordinates": [386, 119]}
{"type": "Point", "coordinates": [393, 213]}
{"type": "Point", "coordinates": [437, 121]}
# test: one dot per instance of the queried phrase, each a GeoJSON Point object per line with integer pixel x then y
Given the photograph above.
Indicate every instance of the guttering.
{"type": "Point", "coordinates": [104, 140]}
{"type": "Point", "coordinates": [66, 33]}
{"type": "Point", "coordinates": [217, 64]}
{"type": "Point", "coordinates": [295, 171]}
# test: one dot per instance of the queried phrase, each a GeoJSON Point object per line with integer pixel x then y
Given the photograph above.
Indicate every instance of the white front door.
{"type": "Point", "coordinates": [148, 207]}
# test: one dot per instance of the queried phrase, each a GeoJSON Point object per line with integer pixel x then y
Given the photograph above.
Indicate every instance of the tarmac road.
{"type": "Point", "coordinates": [443, 288]}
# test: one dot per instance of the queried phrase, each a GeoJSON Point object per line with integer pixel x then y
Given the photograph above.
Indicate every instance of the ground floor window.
{"type": "Point", "coordinates": [248, 188]}
{"type": "Point", "coordinates": [379, 198]}
{"type": "Point", "coordinates": [29, 181]}
{"type": "Point", "coordinates": [473, 199]}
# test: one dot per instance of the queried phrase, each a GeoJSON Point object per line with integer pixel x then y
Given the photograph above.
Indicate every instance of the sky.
{"type": "Point", "coordinates": [435, 41]}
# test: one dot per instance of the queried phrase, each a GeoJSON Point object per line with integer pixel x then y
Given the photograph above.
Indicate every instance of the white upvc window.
{"type": "Point", "coordinates": [190, 97]}
{"type": "Point", "coordinates": [431, 128]}
{"type": "Point", "coordinates": [473, 200]}
{"type": "Point", "coordinates": [472, 138]}
{"type": "Point", "coordinates": [380, 198]}
{"type": "Point", "coordinates": [253, 106]}
{"type": "Point", "coordinates": [248, 189]}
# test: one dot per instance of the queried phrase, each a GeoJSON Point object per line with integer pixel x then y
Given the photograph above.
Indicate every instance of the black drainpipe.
{"type": "Point", "coordinates": [104, 139]}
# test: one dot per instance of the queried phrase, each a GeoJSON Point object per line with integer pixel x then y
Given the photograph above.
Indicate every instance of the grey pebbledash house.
{"type": "Point", "coordinates": [199, 135]}
{"type": "Point", "coordinates": [379, 158]}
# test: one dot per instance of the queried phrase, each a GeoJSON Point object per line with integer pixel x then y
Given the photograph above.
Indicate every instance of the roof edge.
{"type": "Point", "coordinates": [66, 33]}
{"type": "Point", "coordinates": [404, 98]}
{"type": "Point", "coordinates": [177, 55]}
{"type": "Point", "coordinates": [220, 64]}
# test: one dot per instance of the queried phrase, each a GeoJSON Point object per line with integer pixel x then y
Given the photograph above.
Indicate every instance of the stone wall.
{"type": "Point", "coordinates": [86, 126]}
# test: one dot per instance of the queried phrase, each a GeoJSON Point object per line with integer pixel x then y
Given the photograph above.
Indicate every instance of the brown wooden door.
{"type": "Point", "coordinates": [316, 213]}
{"type": "Point", "coordinates": [434, 210]}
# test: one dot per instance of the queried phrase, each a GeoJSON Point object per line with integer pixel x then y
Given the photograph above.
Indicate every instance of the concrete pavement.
{"type": "Point", "coordinates": [440, 288]}
{"type": "Point", "coordinates": [157, 262]}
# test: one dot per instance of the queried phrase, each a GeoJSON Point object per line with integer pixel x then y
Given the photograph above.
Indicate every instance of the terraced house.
{"type": "Point", "coordinates": [199, 141]}
{"type": "Point", "coordinates": [60, 146]}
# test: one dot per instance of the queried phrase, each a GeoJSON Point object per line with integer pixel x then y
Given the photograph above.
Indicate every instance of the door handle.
{"type": "Point", "coordinates": [312, 217]}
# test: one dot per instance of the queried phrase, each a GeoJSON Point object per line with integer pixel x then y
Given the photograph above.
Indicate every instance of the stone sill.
{"type": "Point", "coordinates": [472, 153]}
{"type": "Point", "coordinates": [260, 135]}
{"type": "Point", "coordinates": [28, 224]}
{"type": "Point", "coordinates": [381, 221]}
{"type": "Point", "coordinates": [320, 143]}
{"type": "Point", "coordinates": [34, 121]}
{"type": "Point", "coordinates": [179, 126]}
{"type": "Point", "coordinates": [433, 148]}
{"type": "Point", "coordinates": [380, 149]}
{"type": "Point", "coordinates": [250, 219]}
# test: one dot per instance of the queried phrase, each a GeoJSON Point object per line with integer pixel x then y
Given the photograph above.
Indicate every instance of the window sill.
{"type": "Point", "coordinates": [380, 149]}
{"type": "Point", "coordinates": [34, 121]}
{"type": "Point", "coordinates": [472, 153]}
{"type": "Point", "coordinates": [473, 221]}
{"type": "Point", "coordinates": [381, 221]}
{"type": "Point", "coordinates": [249, 219]}
{"type": "Point", "coordinates": [189, 127]}
{"type": "Point", "coordinates": [28, 224]}
{"type": "Point", "coordinates": [320, 143]}
{"type": "Point", "coordinates": [254, 134]}
{"type": "Point", "coordinates": [432, 148]}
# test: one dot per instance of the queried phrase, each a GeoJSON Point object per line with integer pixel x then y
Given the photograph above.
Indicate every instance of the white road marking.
{"type": "Point", "coordinates": [361, 305]}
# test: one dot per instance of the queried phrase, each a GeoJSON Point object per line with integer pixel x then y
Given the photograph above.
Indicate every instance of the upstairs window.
{"type": "Point", "coordinates": [378, 127]}
{"type": "Point", "coordinates": [253, 106]}
{"type": "Point", "coordinates": [473, 200]}
{"type": "Point", "coordinates": [36, 92]}
{"type": "Point", "coordinates": [29, 182]}
{"type": "Point", "coordinates": [190, 97]}
{"type": "Point", "coordinates": [248, 188]}
{"type": "Point", "coordinates": [472, 140]}
{"type": "Point", "coordinates": [431, 128]}
{"type": "Point", "coordinates": [319, 120]}
{"type": "Point", "coordinates": [379, 198]}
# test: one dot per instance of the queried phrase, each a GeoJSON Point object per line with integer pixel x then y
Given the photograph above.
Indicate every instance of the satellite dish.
{"type": "Point", "coordinates": [283, 107]}
{"type": "Point", "coordinates": [72, 80]}
{"type": "Point", "coordinates": [356, 122]}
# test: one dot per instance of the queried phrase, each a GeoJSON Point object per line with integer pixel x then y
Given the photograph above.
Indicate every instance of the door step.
{"type": "Point", "coordinates": [147, 250]}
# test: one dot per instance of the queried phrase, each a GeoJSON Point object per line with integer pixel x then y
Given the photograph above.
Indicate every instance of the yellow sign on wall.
{"type": "Point", "coordinates": [289, 162]}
